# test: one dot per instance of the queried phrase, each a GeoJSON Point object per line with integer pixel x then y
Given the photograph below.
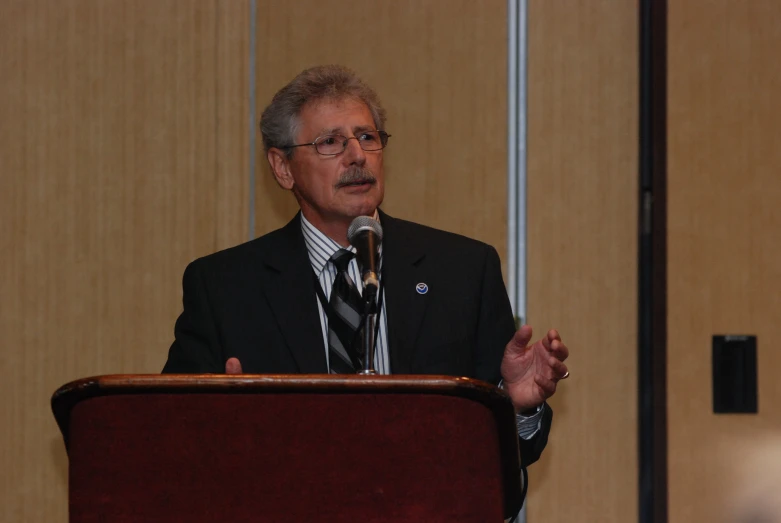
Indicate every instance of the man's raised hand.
{"type": "Point", "coordinates": [531, 372]}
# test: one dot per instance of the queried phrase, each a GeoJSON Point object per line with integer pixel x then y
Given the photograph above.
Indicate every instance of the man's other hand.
{"type": "Point", "coordinates": [531, 372]}
{"type": "Point", "coordinates": [233, 366]}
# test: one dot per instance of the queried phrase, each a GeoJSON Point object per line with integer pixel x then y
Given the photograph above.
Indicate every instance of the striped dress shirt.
{"type": "Point", "coordinates": [320, 248]}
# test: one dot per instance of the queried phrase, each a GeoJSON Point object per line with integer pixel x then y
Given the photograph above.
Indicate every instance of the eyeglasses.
{"type": "Point", "coordinates": [333, 144]}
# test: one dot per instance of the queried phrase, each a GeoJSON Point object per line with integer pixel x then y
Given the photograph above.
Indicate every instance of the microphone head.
{"type": "Point", "coordinates": [364, 223]}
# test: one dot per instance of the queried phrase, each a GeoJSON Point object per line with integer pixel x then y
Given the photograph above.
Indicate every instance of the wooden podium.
{"type": "Point", "coordinates": [304, 448]}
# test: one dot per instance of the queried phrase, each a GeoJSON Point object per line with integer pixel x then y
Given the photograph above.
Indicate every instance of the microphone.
{"type": "Point", "coordinates": [365, 234]}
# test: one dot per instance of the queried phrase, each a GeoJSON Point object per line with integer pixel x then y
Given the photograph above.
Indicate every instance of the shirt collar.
{"type": "Point", "coordinates": [319, 246]}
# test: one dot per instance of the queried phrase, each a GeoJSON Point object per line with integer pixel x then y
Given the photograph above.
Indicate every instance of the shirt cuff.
{"type": "Point", "coordinates": [527, 424]}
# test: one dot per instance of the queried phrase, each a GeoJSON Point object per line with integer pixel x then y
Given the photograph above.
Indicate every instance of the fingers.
{"type": "Point", "coordinates": [547, 384]}
{"type": "Point", "coordinates": [559, 350]}
{"type": "Point", "coordinates": [520, 339]}
{"type": "Point", "coordinates": [547, 381]}
{"type": "Point", "coordinates": [233, 366]}
{"type": "Point", "coordinates": [558, 368]}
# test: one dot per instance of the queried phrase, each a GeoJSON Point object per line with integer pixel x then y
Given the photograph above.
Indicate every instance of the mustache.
{"type": "Point", "coordinates": [356, 174]}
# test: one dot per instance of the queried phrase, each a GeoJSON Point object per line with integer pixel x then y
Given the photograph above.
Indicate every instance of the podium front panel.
{"type": "Point", "coordinates": [283, 457]}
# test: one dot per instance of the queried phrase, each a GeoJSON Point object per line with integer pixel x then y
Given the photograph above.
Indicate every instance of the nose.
{"type": "Point", "coordinates": [353, 154]}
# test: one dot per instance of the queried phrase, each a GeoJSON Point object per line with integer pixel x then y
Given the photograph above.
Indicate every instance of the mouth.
{"type": "Point", "coordinates": [356, 183]}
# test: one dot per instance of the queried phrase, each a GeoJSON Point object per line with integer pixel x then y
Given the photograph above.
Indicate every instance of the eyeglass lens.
{"type": "Point", "coordinates": [336, 143]}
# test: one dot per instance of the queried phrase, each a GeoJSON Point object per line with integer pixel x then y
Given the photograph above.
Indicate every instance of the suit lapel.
{"type": "Point", "coordinates": [403, 268]}
{"type": "Point", "coordinates": [289, 289]}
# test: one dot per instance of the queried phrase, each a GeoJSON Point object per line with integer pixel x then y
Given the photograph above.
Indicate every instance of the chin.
{"type": "Point", "coordinates": [366, 208]}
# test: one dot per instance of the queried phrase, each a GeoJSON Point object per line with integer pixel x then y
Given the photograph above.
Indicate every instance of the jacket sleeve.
{"type": "Point", "coordinates": [496, 326]}
{"type": "Point", "coordinates": [196, 348]}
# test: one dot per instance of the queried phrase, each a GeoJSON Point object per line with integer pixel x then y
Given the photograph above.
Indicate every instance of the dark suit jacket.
{"type": "Point", "coordinates": [257, 302]}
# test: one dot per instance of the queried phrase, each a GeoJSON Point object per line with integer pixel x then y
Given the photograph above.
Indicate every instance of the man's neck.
{"type": "Point", "coordinates": [336, 230]}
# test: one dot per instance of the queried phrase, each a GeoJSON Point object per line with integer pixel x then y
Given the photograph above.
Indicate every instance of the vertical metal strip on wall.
{"type": "Point", "coordinates": [516, 156]}
{"type": "Point", "coordinates": [252, 123]}
{"type": "Point", "coordinates": [516, 163]}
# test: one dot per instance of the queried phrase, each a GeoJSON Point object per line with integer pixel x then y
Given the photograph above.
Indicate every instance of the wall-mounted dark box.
{"type": "Point", "coordinates": [735, 374]}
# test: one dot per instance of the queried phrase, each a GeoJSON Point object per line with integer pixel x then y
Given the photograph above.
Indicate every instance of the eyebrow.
{"type": "Point", "coordinates": [338, 130]}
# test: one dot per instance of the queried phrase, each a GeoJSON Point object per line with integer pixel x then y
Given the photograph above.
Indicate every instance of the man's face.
{"type": "Point", "coordinates": [335, 189]}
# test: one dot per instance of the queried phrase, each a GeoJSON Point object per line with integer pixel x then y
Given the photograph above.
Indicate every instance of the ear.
{"type": "Point", "coordinates": [280, 167]}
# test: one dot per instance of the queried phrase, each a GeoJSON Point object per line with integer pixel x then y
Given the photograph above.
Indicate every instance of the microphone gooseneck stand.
{"type": "Point", "coordinates": [369, 330]}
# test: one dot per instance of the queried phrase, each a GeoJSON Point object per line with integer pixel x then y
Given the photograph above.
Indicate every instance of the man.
{"type": "Point", "coordinates": [267, 306]}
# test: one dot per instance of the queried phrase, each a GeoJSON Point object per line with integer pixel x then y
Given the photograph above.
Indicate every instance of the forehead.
{"type": "Point", "coordinates": [329, 115]}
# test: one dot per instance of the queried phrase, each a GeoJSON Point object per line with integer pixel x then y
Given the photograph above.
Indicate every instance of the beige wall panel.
{"type": "Point", "coordinates": [582, 251]}
{"type": "Point", "coordinates": [234, 123]}
{"type": "Point", "coordinates": [439, 67]}
{"type": "Point", "coordinates": [108, 171]}
{"type": "Point", "coordinates": [724, 165]}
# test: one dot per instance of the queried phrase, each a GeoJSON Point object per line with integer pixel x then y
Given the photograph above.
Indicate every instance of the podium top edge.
{"type": "Point", "coordinates": [215, 383]}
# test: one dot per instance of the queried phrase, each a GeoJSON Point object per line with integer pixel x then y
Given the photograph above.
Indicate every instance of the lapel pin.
{"type": "Point", "coordinates": [422, 288]}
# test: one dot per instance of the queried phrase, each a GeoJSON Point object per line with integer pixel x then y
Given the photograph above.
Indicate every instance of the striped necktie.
{"type": "Point", "coordinates": [344, 318]}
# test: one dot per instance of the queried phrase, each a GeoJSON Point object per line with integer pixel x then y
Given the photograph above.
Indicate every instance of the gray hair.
{"type": "Point", "coordinates": [279, 121]}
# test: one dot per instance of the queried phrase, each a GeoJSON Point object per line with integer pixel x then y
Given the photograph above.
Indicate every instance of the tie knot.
{"type": "Point", "coordinates": [341, 259]}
